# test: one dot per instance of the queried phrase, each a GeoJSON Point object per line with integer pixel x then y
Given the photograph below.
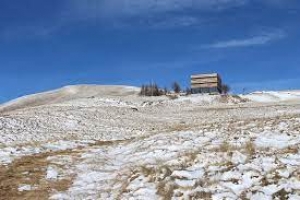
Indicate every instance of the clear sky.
{"type": "Point", "coordinates": [253, 44]}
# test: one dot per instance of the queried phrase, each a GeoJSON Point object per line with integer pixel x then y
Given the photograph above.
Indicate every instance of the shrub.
{"type": "Point", "coordinates": [225, 89]}
{"type": "Point", "coordinates": [176, 87]}
{"type": "Point", "coordinates": [151, 90]}
{"type": "Point", "coordinates": [188, 91]}
{"type": "Point", "coordinates": [166, 91]}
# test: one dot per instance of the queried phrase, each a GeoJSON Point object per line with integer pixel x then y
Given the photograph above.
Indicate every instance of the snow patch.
{"type": "Point", "coordinates": [275, 140]}
{"type": "Point", "coordinates": [25, 188]}
{"type": "Point", "coordinates": [52, 173]}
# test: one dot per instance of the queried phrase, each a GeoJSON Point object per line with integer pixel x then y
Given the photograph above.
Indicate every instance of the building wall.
{"type": "Point", "coordinates": [206, 83]}
{"type": "Point", "coordinates": [209, 90]}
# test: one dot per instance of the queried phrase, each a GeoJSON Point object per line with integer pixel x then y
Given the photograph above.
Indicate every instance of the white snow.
{"type": "Point", "coordinates": [272, 96]}
{"type": "Point", "coordinates": [270, 189]}
{"type": "Point", "coordinates": [275, 140]}
{"type": "Point", "coordinates": [189, 174]}
{"type": "Point", "coordinates": [24, 188]}
{"type": "Point", "coordinates": [5, 156]}
{"type": "Point", "coordinates": [51, 173]}
{"type": "Point", "coordinates": [260, 196]}
{"type": "Point", "coordinates": [245, 183]}
{"type": "Point", "coordinates": [290, 159]}
{"type": "Point", "coordinates": [185, 183]}
{"type": "Point", "coordinates": [238, 158]}
{"type": "Point", "coordinates": [8, 154]}
{"type": "Point", "coordinates": [294, 197]}
{"type": "Point", "coordinates": [141, 189]}
{"type": "Point", "coordinates": [60, 145]}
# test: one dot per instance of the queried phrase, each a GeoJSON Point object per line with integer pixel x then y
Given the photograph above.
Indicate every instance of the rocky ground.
{"type": "Point", "coordinates": [122, 146]}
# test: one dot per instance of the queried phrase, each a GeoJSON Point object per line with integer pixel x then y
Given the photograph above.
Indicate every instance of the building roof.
{"type": "Point", "coordinates": [205, 75]}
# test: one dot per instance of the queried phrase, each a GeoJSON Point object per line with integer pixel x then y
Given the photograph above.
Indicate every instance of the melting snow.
{"type": "Point", "coordinates": [25, 188]}
{"type": "Point", "coordinates": [275, 140]}
{"type": "Point", "coordinates": [51, 173]}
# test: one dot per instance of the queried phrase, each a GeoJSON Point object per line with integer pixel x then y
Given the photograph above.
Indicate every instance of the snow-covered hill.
{"type": "Point", "coordinates": [271, 97]}
{"type": "Point", "coordinates": [68, 93]}
{"type": "Point", "coordinates": [106, 142]}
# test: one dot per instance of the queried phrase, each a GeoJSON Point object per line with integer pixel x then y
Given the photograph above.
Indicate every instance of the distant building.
{"type": "Point", "coordinates": [206, 83]}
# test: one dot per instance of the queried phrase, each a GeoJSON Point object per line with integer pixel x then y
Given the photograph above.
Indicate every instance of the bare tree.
{"type": "Point", "coordinates": [225, 89]}
{"type": "Point", "coordinates": [176, 87]}
{"type": "Point", "coordinates": [166, 91]}
{"type": "Point", "coordinates": [150, 90]}
{"type": "Point", "coordinates": [143, 90]}
{"type": "Point", "coordinates": [188, 91]}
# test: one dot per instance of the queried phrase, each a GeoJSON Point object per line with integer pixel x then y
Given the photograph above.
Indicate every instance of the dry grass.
{"type": "Point", "coordinates": [148, 172]}
{"type": "Point", "coordinates": [179, 127]}
{"type": "Point", "coordinates": [290, 150]}
{"type": "Point", "coordinates": [226, 147]}
{"type": "Point", "coordinates": [249, 148]}
{"type": "Point", "coordinates": [201, 195]}
{"type": "Point", "coordinates": [173, 96]}
{"type": "Point", "coordinates": [281, 194]}
{"type": "Point", "coordinates": [192, 156]}
{"type": "Point", "coordinates": [30, 170]}
{"type": "Point", "coordinates": [165, 189]}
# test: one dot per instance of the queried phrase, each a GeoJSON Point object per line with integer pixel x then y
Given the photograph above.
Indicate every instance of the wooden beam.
{"type": "Point", "coordinates": [207, 80]}
{"type": "Point", "coordinates": [206, 85]}
{"type": "Point", "coordinates": [205, 75]}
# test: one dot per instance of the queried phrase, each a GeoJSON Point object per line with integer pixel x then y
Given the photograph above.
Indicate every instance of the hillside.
{"type": "Point", "coordinates": [106, 142]}
{"type": "Point", "coordinates": [66, 94]}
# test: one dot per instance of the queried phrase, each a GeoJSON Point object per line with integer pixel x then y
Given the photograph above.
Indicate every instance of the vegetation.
{"type": "Point", "coordinates": [151, 90]}
{"type": "Point", "coordinates": [225, 89]}
{"type": "Point", "coordinates": [176, 87]}
{"type": "Point", "coordinates": [188, 91]}
{"type": "Point", "coordinates": [154, 90]}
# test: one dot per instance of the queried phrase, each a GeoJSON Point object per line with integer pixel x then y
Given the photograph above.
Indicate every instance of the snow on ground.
{"type": "Point", "coordinates": [25, 188]}
{"type": "Point", "coordinates": [129, 147]}
{"type": "Point", "coordinates": [276, 140]}
{"type": "Point", "coordinates": [181, 165]}
{"type": "Point", "coordinates": [271, 97]}
{"type": "Point", "coordinates": [51, 173]}
{"type": "Point", "coordinates": [8, 154]}
{"type": "Point", "coordinates": [208, 100]}
{"type": "Point", "coordinates": [68, 93]}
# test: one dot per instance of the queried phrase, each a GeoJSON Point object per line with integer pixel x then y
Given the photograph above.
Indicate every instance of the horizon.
{"type": "Point", "coordinates": [230, 93]}
{"type": "Point", "coordinates": [253, 45]}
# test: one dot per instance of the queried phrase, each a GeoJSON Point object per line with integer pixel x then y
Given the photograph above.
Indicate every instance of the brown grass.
{"type": "Point", "coordinates": [250, 148]}
{"type": "Point", "coordinates": [165, 189]}
{"type": "Point", "coordinates": [201, 195]}
{"type": "Point", "coordinates": [226, 147]}
{"type": "Point", "coordinates": [30, 170]}
{"type": "Point", "coordinates": [180, 127]}
{"type": "Point", "coordinates": [291, 149]}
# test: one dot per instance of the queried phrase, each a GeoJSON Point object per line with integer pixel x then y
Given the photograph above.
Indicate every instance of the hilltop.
{"type": "Point", "coordinates": [107, 142]}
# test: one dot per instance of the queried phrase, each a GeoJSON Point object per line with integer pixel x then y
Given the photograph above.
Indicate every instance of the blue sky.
{"type": "Point", "coordinates": [253, 44]}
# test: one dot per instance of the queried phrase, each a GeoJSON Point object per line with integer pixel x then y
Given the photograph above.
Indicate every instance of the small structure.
{"type": "Point", "coordinates": [206, 83]}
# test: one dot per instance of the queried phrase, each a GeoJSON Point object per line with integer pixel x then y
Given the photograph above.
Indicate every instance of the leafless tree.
{"type": "Point", "coordinates": [188, 91]}
{"type": "Point", "coordinates": [176, 87]}
{"type": "Point", "coordinates": [151, 90]}
{"type": "Point", "coordinates": [225, 89]}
